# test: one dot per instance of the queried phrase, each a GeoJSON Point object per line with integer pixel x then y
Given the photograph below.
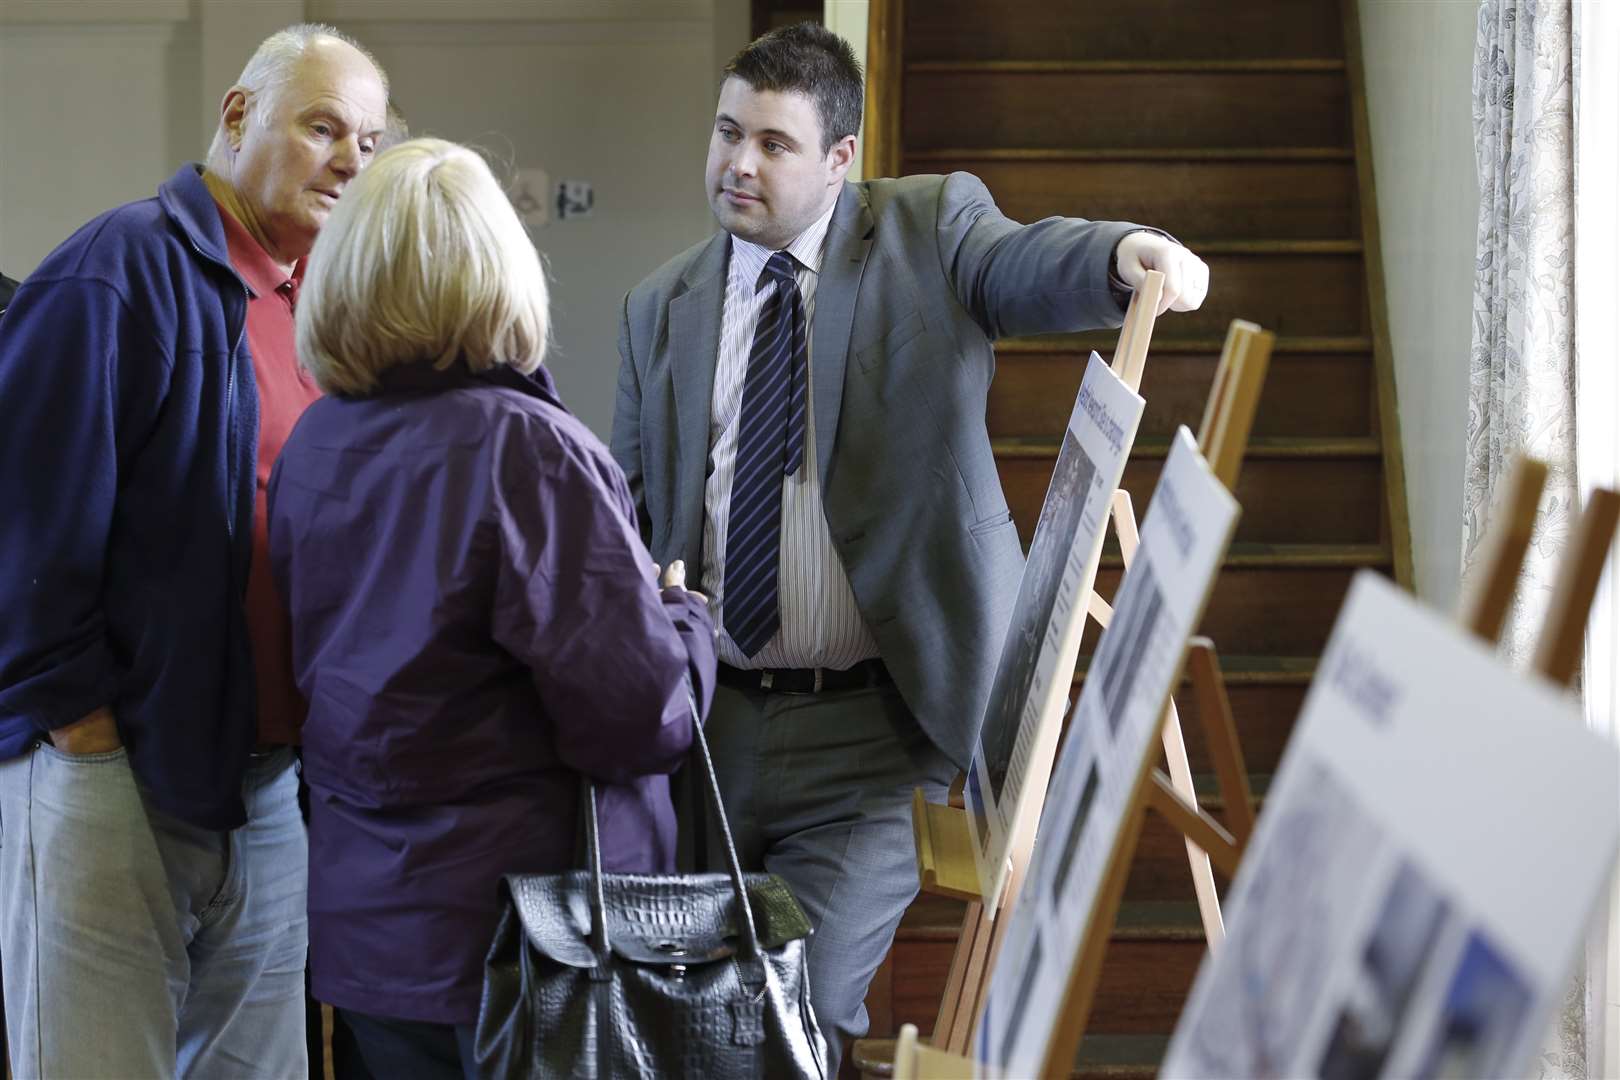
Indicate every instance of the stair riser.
{"type": "Point", "coordinates": [1264, 715]}
{"type": "Point", "coordinates": [1108, 110]}
{"type": "Point", "coordinates": [1261, 611]}
{"type": "Point", "coordinates": [1285, 501]}
{"type": "Point", "coordinates": [1308, 395]}
{"type": "Point", "coordinates": [1160, 871]}
{"type": "Point", "coordinates": [1141, 991]}
{"type": "Point", "coordinates": [1290, 295]}
{"type": "Point", "coordinates": [1143, 986]}
{"type": "Point", "coordinates": [1195, 200]}
{"type": "Point", "coordinates": [1166, 29]}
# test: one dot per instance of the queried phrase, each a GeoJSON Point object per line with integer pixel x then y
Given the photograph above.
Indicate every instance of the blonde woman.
{"type": "Point", "coordinates": [474, 617]}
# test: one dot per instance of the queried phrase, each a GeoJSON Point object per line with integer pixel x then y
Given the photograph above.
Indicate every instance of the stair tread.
{"type": "Point", "coordinates": [1104, 342]}
{"type": "Point", "coordinates": [1255, 554]}
{"type": "Point", "coordinates": [1241, 670]}
{"type": "Point", "coordinates": [1268, 670]}
{"type": "Point", "coordinates": [1275, 247]}
{"type": "Point", "coordinates": [1260, 446]}
{"type": "Point", "coordinates": [1139, 920]}
{"type": "Point", "coordinates": [1301, 270]}
{"type": "Point", "coordinates": [1250, 669]}
{"type": "Point", "coordinates": [1145, 65]}
{"type": "Point", "coordinates": [1130, 1051]}
{"type": "Point", "coordinates": [1100, 1056]}
{"type": "Point", "coordinates": [1040, 155]}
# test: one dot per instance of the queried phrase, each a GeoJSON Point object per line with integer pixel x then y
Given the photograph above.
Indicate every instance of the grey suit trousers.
{"type": "Point", "coordinates": [818, 791]}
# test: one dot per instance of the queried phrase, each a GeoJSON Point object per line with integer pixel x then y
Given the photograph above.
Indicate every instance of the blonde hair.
{"type": "Point", "coordinates": [423, 259]}
{"type": "Point", "coordinates": [268, 72]}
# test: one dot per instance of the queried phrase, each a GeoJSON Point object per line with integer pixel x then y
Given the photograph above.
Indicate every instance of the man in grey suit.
{"type": "Point", "coordinates": [801, 416]}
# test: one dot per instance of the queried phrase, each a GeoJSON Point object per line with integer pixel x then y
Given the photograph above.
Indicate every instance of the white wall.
{"type": "Point", "coordinates": [100, 100]}
{"type": "Point", "coordinates": [92, 114]}
{"type": "Point", "coordinates": [626, 106]}
{"type": "Point", "coordinates": [1419, 64]}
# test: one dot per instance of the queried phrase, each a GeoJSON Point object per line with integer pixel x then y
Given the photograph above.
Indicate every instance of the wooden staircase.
{"type": "Point", "coordinates": [1239, 126]}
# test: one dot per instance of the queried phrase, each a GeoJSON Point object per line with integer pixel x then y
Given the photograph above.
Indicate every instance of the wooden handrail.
{"type": "Point", "coordinates": [885, 77]}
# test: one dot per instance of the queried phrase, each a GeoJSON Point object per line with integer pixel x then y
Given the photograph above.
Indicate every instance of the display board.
{"type": "Point", "coordinates": [1417, 889]}
{"type": "Point", "coordinates": [1098, 780]}
{"type": "Point", "coordinates": [1031, 688]}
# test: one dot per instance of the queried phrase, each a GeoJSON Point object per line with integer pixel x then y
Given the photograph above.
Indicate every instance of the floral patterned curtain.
{"type": "Point", "coordinates": [1521, 394]}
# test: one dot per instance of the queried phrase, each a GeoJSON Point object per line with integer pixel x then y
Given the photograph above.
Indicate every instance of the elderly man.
{"type": "Point", "coordinates": [152, 875]}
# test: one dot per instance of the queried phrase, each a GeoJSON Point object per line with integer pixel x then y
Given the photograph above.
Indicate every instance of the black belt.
{"type": "Point", "coordinates": [806, 680]}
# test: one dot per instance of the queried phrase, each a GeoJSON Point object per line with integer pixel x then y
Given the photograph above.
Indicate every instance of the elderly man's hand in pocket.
{"type": "Point", "coordinates": [96, 733]}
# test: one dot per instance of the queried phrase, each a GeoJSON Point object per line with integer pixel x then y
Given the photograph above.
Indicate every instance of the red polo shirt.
{"type": "Point", "coordinates": [285, 391]}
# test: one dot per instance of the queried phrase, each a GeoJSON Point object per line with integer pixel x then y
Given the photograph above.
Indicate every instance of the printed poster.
{"type": "Point", "coordinates": [1419, 885]}
{"type": "Point", "coordinates": [1031, 687]}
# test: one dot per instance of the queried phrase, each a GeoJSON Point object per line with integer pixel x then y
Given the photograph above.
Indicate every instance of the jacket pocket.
{"type": "Point", "coordinates": [990, 524]}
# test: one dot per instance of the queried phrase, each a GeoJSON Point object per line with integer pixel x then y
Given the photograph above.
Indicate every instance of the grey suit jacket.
{"type": "Point", "coordinates": [920, 275]}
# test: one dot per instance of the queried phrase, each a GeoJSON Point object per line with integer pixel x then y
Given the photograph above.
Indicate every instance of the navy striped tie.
{"type": "Point", "coordinates": [770, 445]}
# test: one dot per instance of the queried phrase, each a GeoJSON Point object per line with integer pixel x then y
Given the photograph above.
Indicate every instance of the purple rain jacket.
{"type": "Point", "coordinates": [475, 623]}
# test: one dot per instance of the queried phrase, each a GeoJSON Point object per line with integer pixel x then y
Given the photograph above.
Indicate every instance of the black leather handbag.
{"type": "Point", "coordinates": [631, 975]}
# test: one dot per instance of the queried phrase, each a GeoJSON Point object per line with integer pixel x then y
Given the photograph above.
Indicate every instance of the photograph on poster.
{"type": "Point", "coordinates": [1071, 840]}
{"type": "Point", "coordinates": [1122, 654]}
{"type": "Point", "coordinates": [1399, 947]}
{"type": "Point", "coordinates": [1056, 535]}
{"type": "Point", "coordinates": [1020, 1004]}
{"type": "Point", "coordinates": [1029, 691]}
{"type": "Point", "coordinates": [1253, 1011]}
{"type": "Point", "coordinates": [1064, 844]}
{"type": "Point", "coordinates": [1482, 1019]}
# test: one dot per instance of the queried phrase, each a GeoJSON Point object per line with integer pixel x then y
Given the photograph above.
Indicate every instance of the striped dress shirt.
{"type": "Point", "coordinates": [821, 626]}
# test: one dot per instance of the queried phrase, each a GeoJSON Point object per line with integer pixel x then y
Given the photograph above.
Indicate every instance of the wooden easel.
{"type": "Point", "coordinates": [1483, 613]}
{"type": "Point", "coordinates": [941, 832]}
{"type": "Point", "coordinates": [1557, 658]}
{"type": "Point", "coordinates": [945, 862]}
{"type": "Point", "coordinates": [1223, 435]}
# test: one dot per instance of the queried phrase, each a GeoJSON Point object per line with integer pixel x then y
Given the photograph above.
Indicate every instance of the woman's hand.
{"type": "Point", "coordinates": [674, 577]}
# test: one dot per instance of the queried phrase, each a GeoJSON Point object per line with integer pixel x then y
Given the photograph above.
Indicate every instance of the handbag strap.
{"type": "Point", "coordinates": [593, 856]}
{"type": "Point", "coordinates": [593, 844]}
{"type": "Point", "coordinates": [745, 910]}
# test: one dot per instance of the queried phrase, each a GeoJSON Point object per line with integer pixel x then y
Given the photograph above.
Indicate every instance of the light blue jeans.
{"type": "Point", "coordinates": [135, 945]}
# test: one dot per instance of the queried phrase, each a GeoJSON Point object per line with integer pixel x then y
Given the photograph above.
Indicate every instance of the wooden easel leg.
{"type": "Point", "coordinates": [905, 1053]}
{"type": "Point", "coordinates": [1220, 734]}
{"type": "Point", "coordinates": [1195, 824]}
{"type": "Point", "coordinates": [1562, 642]}
{"type": "Point", "coordinates": [945, 1022]}
{"type": "Point", "coordinates": [1203, 875]}
{"type": "Point", "coordinates": [1175, 750]}
{"type": "Point", "coordinates": [967, 1006]}
{"type": "Point", "coordinates": [994, 933]}
{"type": "Point", "coordinates": [1130, 352]}
{"type": "Point", "coordinates": [1224, 434]}
{"type": "Point", "coordinates": [1485, 607]}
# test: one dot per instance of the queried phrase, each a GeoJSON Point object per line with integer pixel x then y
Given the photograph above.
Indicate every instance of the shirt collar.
{"type": "Point", "coordinates": [253, 263]}
{"type": "Point", "coordinates": [422, 376]}
{"type": "Point", "coordinates": [807, 248]}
